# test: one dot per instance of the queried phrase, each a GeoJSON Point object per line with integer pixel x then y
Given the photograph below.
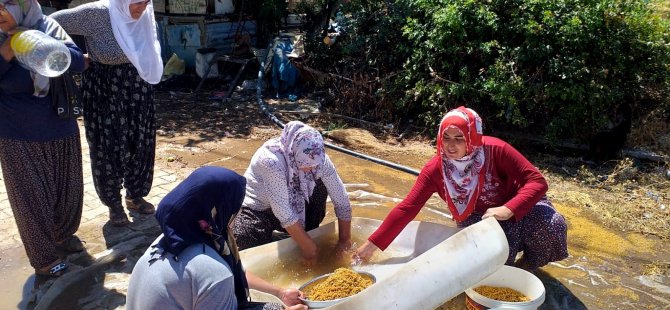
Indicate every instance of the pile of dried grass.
{"type": "Point", "coordinates": [652, 133]}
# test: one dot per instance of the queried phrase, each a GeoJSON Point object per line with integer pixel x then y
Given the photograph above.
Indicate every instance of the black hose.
{"type": "Point", "coordinates": [264, 108]}
{"type": "Point", "coordinates": [372, 159]}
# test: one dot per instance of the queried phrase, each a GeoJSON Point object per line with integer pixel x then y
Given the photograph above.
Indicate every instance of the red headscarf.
{"type": "Point", "coordinates": [462, 177]}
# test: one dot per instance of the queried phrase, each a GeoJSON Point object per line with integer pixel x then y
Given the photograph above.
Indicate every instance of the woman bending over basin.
{"type": "Point", "coordinates": [481, 177]}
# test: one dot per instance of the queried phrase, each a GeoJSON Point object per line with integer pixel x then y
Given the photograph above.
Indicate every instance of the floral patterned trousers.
{"type": "Point", "coordinates": [120, 121]}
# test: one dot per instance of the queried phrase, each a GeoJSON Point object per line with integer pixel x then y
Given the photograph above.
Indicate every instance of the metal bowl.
{"type": "Point", "coordinates": [318, 304]}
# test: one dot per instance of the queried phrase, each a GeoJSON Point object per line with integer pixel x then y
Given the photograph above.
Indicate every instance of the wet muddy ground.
{"type": "Point", "coordinates": [608, 268]}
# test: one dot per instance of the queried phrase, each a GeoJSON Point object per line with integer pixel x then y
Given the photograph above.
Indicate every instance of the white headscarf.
{"type": "Point", "coordinates": [137, 38]}
{"type": "Point", "coordinates": [28, 14]}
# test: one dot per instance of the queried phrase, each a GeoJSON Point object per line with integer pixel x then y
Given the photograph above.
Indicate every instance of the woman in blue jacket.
{"type": "Point", "coordinates": [40, 153]}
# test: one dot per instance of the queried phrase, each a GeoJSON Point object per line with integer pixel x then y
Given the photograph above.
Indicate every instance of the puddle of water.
{"type": "Point", "coordinates": [604, 271]}
{"type": "Point", "coordinates": [16, 270]}
{"type": "Point", "coordinates": [294, 273]}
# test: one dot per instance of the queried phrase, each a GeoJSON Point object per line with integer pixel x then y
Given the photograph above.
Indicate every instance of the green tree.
{"type": "Point", "coordinates": [556, 67]}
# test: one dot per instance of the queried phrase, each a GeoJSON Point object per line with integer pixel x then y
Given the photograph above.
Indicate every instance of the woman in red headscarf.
{"type": "Point", "coordinates": [480, 177]}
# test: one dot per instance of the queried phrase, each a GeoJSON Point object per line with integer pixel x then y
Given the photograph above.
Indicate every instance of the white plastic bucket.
{"type": "Point", "coordinates": [515, 278]}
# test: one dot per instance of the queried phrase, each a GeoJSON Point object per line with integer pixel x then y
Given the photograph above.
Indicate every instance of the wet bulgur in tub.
{"type": "Point", "coordinates": [501, 293]}
{"type": "Point", "coordinates": [342, 283]}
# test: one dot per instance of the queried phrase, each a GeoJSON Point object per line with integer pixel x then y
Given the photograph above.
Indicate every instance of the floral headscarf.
{"type": "Point", "coordinates": [300, 146]}
{"type": "Point", "coordinates": [462, 177]}
{"type": "Point", "coordinates": [28, 15]}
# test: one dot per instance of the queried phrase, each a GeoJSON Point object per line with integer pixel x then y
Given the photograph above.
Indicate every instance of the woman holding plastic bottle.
{"type": "Point", "coordinates": [125, 62]}
{"type": "Point", "coordinates": [40, 153]}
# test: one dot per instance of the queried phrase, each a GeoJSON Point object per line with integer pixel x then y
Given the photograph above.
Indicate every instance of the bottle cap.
{"type": "Point", "coordinates": [21, 43]}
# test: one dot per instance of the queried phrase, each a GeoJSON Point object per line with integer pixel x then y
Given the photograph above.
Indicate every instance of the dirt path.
{"type": "Point", "coordinates": [617, 212]}
{"type": "Point", "coordinates": [613, 265]}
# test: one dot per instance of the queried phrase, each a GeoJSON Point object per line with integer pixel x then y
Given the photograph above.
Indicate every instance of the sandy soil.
{"type": "Point", "coordinates": [617, 211]}
{"type": "Point", "coordinates": [627, 194]}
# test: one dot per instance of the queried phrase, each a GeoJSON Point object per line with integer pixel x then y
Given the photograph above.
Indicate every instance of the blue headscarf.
{"type": "Point", "coordinates": [198, 211]}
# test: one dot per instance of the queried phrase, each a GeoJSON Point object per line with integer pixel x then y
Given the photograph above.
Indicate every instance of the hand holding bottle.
{"type": "Point", "coordinates": [6, 49]}
{"type": "Point", "coordinates": [40, 53]}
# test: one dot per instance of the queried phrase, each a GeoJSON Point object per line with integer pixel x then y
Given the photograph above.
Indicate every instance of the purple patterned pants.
{"type": "Point", "coordinates": [541, 235]}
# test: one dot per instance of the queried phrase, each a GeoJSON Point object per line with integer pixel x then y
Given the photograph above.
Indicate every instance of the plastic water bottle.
{"type": "Point", "coordinates": [41, 53]}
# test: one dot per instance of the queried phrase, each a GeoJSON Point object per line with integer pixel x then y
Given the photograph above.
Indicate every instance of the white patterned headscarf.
{"type": "Point", "coordinates": [463, 178]}
{"type": "Point", "coordinates": [138, 38]}
{"type": "Point", "coordinates": [28, 15]}
{"type": "Point", "coordinates": [301, 146]}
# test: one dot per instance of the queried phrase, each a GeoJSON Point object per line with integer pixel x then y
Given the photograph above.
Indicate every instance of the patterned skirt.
{"type": "Point", "coordinates": [46, 190]}
{"type": "Point", "coordinates": [253, 227]}
{"type": "Point", "coordinates": [120, 121]}
{"type": "Point", "coordinates": [542, 235]}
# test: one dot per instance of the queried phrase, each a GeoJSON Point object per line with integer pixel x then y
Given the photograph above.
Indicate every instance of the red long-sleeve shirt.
{"type": "Point", "coordinates": [509, 180]}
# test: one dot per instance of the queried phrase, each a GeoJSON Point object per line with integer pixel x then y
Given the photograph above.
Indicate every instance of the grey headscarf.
{"type": "Point", "coordinates": [28, 15]}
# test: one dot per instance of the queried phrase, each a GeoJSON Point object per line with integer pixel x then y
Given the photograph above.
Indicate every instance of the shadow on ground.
{"type": "Point", "coordinates": [558, 296]}
{"type": "Point", "coordinates": [101, 280]}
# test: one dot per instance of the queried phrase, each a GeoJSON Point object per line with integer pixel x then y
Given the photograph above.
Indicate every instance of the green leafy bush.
{"type": "Point", "coordinates": [268, 15]}
{"type": "Point", "coordinates": [556, 67]}
{"type": "Point", "coordinates": [366, 59]}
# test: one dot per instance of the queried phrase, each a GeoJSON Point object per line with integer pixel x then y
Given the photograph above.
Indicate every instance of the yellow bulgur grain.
{"type": "Point", "coordinates": [342, 283]}
{"type": "Point", "coordinates": [501, 293]}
